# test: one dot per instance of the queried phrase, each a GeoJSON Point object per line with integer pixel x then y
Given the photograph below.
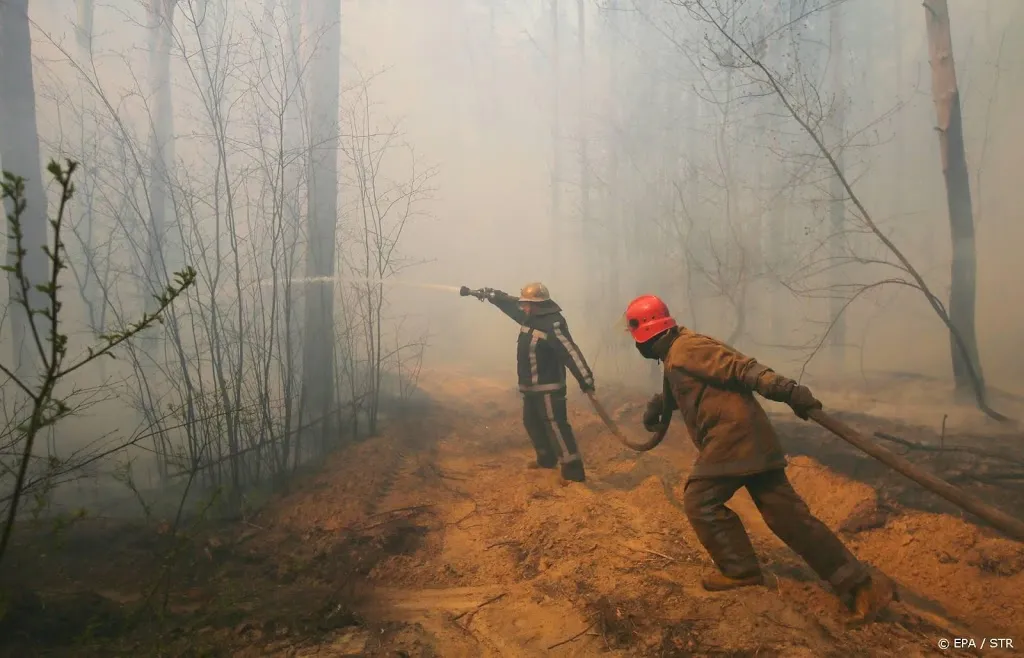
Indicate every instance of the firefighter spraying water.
{"type": "Point", "coordinates": [545, 350]}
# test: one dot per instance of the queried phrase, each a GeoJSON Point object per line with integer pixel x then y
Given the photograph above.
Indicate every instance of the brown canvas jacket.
{"type": "Point", "coordinates": [712, 387]}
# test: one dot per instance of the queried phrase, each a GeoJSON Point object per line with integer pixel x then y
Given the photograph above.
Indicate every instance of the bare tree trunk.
{"type": "Point", "coordinates": [693, 202]}
{"type": "Point", "coordinates": [556, 138]}
{"type": "Point", "coordinates": [19, 154]}
{"type": "Point", "coordinates": [958, 194]}
{"type": "Point", "coordinates": [318, 346]}
{"type": "Point", "coordinates": [83, 24]}
{"type": "Point", "coordinates": [837, 204]}
{"type": "Point", "coordinates": [896, 182]}
{"type": "Point", "coordinates": [592, 257]}
{"type": "Point", "coordinates": [94, 286]}
{"type": "Point", "coordinates": [612, 244]}
{"type": "Point", "coordinates": [161, 146]}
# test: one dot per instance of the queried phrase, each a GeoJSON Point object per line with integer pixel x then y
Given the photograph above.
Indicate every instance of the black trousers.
{"type": "Point", "coordinates": [546, 420]}
{"type": "Point", "coordinates": [721, 532]}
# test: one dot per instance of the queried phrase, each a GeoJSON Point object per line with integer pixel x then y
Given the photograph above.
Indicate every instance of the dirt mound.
{"type": "Point", "coordinates": [515, 564]}
{"type": "Point", "coordinates": [435, 540]}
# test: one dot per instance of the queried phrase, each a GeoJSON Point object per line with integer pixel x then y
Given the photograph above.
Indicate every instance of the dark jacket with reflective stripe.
{"type": "Point", "coordinates": [545, 348]}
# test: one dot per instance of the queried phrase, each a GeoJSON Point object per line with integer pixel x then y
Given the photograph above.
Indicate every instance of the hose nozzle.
{"type": "Point", "coordinates": [479, 293]}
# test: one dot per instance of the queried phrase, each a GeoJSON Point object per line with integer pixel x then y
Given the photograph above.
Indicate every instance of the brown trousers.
{"type": "Point", "coordinates": [721, 532]}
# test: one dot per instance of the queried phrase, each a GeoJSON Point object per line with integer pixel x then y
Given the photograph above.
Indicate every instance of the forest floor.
{"type": "Point", "coordinates": [435, 540]}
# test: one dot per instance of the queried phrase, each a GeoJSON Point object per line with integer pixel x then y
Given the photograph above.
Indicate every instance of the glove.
{"type": "Point", "coordinates": [587, 386]}
{"type": "Point", "coordinates": [802, 401]}
{"type": "Point", "coordinates": [652, 414]}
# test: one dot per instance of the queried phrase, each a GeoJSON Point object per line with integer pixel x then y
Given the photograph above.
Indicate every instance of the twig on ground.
{"type": "Point", "coordinates": [445, 476]}
{"type": "Point", "coordinates": [778, 586]}
{"type": "Point", "coordinates": [988, 478]}
{"type": "Point", "coordinates": [574, 637]}
{"type": "Point", "coordinates": [782, 624]}
{"type": "Point", "coordinates": [647, 550]}
{"type": "Point", "coordinates": [413, 508]}
{"type": "Point", "coordinates": [468, 514]}
{"type": "Point", "coordinates": [502, 543]}
{"type": "Point", "coordinates": [390, 519]}
{"type": "Point", "coordinates": [477, 608]}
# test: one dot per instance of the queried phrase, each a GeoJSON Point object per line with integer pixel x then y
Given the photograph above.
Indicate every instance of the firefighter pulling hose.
{"type": "Point", "coordinates": [658, 416]}
{"type": "Point", "coordinates": [713, 386]}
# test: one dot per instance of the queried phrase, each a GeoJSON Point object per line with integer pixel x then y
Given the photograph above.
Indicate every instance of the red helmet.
{"type": "Point", "coordinates": [646, 317]}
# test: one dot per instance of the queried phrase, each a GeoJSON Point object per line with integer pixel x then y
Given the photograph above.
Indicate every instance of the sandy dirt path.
{"type": "Point", "coordinates": [478, 556]}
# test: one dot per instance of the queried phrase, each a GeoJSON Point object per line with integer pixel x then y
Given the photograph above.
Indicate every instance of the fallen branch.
{"type": "Point", "coordinates": [414, 508]}
{"type": "Point", "coordinates": [1007, 524]}
{"type": "Point", "coordinates": [988, 478]}
{"type": "Point", "coordinates": [477, 608]}
{"type": "Point", "coordinates": [574, 637]}
{"type": "Point", "coordinates": [979, 452]}
{"type": "Point", "coordinates": [401, 509]}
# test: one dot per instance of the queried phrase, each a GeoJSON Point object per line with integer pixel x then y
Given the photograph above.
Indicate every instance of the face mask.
{"type": "Point", "coordinates": [646, 349]}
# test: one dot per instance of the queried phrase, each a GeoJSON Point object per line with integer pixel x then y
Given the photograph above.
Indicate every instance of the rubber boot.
{"type": "Point", "coordinates": [534, 465]}
{"type": "Point", "coordinates": [719, 582]}
{"type": "Point", "coordinates": [573, 471]}
{"type": "Point", "coordinates": [870, 598]}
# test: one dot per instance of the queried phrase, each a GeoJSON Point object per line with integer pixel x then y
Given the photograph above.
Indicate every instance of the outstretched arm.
{"type": "Point", "coordinates": [572, 356]}
{"type": "Point", "coordinates": [508, 305]}
{"type": "Point", "coordinates": [722, 366]}
{"type": "Point", "coordinates": [707, 359]}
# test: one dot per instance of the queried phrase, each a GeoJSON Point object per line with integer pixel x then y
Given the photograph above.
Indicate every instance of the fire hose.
{"type": "Point", "coordinates": [656, 438]}
{"type": "Point", "coordinates": [1007, 524]}
{"type": "Point", "coordinates": [613, 427]}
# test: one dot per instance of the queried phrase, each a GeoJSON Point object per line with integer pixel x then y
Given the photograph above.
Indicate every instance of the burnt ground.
{"type": "Point", "coordinates": [434, 540]}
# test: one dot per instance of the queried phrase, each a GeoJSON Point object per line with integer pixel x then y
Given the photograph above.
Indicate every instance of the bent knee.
{"type": "Point", "coordinates": [699, 502]}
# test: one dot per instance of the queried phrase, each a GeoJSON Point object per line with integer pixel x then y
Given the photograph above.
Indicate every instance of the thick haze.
{"type": "Point", "coordinates": [713, 205]}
